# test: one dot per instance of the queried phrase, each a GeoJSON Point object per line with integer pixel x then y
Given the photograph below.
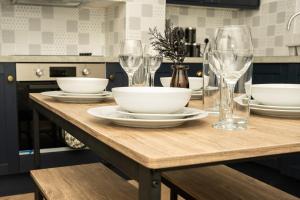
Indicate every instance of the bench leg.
{"type": "Point", "coordinates": [149, 184]}
{"type": "Point", "coordinates": [36, 139]}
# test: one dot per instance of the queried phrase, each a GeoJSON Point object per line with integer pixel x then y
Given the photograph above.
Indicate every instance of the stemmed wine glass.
{"type": "Point", "coordinates": [131, 57]}
{"type": "Point", "coordinates": [153, 61]}
{"type": "Point", "coordinates": [233, 51]}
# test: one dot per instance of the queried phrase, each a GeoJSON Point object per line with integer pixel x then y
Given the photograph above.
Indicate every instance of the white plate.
{"type": "Point", "coordinates": [185, 112]}
{"type": "Point", "coordinates": [110, 113]}
{"type": "Point", "coordinates": [57, 95]}
{"type": "Point", "coordinates": [272, 111]}
{"type": "Point", "coordinates": [104, 93]}
{"type": "Point", "coordinates": [256, 104]}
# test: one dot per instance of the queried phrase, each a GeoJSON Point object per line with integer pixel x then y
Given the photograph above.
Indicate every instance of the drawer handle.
{"type": "Point", "coordinates": [10, 78]}
{"type": "Point", "coordinates": [111, 77]}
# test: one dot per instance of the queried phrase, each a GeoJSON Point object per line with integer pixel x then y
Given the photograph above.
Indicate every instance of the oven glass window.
{"type": "Point", "coordinates": [62, 72]}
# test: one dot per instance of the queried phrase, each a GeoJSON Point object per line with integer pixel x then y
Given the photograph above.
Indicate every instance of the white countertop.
{"type": "Point", "coordinates": [104, 59]}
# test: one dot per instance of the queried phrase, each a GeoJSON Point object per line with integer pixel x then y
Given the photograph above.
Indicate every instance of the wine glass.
{"type": "Point", "coordinates": [152, 61]}
{"type": "Point", "coordinates": [233, 51]}
{"type": "Point", "coordinates": [131, 57]}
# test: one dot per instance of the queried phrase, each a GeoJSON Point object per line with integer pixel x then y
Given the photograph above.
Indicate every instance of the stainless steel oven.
{"type": "Point", "coordinates": [39, 77]}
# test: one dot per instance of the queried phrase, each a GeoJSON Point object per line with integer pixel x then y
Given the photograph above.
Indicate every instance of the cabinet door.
{"type": "Point", "coordinates": [165, 70]}
{"type": "Point", "coordinates": [9, 157]}
{"type": "Point", "coordinates": [116, 75]}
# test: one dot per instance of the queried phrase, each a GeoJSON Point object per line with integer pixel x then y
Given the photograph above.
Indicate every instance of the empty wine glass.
{"type": "Point", "coordinates": [131, 57]}
{"type": "Point", "coordinates": [234, 53]}
{"type": "Point", "coordinates": [153, 61]}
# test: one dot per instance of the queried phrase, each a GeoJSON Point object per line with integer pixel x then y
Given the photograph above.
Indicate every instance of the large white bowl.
{"type": "Point", "coordinates": [156, 100]}
{"type": "Point", "coordinates": [82, 85]}
{"type": "Point", "coordinates": [196, 83]}
{"type": "Point", "coordinates": [277, 94]}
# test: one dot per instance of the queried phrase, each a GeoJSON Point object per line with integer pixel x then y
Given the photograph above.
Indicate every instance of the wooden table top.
{"type": "Point", "coordinates": [192, 143]}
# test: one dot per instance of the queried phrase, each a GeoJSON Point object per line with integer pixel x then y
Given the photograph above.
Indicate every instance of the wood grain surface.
{"type": "Point", "coordinates": [83, 182]}
{"type": "Point", "coordinates": [192, 143]}
{"type": "Point", "coordinates": [221, 182]}
{"type": "Point", "coordinates": [29, 196]}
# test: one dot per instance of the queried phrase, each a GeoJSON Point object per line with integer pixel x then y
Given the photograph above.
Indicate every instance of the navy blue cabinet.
{"type": "Point", "coordinates": [276, 73]}
{"type": "Point", "coordinates": [249, 4]}
{"type": "Point", "coordinates": [117, 76]}
{"type": "Point", "coordinates": [8, 120]}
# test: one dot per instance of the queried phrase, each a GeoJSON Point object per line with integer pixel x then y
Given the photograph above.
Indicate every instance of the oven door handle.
{"type": "Point", "coordinates": [43, 87]}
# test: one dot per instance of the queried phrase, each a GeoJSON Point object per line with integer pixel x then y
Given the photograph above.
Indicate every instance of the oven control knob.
{"type": "Point", "coordinates": [85, 72]}
{"type": "Point", "coordinates": [39, 72]}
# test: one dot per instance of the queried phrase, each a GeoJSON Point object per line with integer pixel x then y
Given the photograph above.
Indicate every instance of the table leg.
{"type": "Point", "coordinates": [37, 194]}
{"type": "Point", "coordinates": [36, 139]}
{"type": "Point", "coordinates": [149, 184]}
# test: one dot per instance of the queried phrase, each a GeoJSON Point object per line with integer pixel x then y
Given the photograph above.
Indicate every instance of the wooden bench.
{"type": "Point", "coordinates": [220, 183]}
{"type": "Point", "coordinates": [83, 182]}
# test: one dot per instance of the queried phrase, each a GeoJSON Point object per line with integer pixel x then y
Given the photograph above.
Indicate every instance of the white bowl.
{"type": "Point", "coordinates": [156, 100]}
{"type": "Point", "coordinates": [277, 94]}
{"type": "Point", "coordinates": [196, 83]}
{"type": "Point", "coordinates": [82, 85]}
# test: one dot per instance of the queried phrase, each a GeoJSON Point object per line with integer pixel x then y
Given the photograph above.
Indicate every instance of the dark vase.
{"type": "Point", "coordinates": [179, 76]}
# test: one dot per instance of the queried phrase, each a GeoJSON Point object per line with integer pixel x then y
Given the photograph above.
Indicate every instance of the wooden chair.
{"type": "Point", "coordinates": [220, 183]}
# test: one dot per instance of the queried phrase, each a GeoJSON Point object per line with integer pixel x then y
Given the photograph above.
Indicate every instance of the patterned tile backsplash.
{"type": "Point", "coordinates": [268, 24]}
{"type": "Point", "coordinates": [28, 30]}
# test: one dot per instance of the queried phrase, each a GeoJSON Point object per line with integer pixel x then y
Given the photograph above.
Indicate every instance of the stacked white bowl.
{"type": "Point", "coordinates": [277, 94]}
{"type": "Point", "coordinates": [152, 100]}
{"type": "Point", "coordinates": [196, 83]}
{"type": "Point", "coordinates": [82, 85]}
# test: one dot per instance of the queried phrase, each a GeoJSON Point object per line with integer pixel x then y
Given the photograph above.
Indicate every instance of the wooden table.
{"type": "Point", "coordinates": [143, 154]}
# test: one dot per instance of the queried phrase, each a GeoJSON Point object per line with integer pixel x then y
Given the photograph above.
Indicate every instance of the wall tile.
{"type": "Point", "coordinates": [34, 24]}
{"type": "Point", "coordinates": [7, 10]}
{"type": "Point", "coordinates": [47, 37]}
{"type": "Point", "coordinates": [280, 18]}
{"type": "Point", "coordinates": [83, 38]}
{"type": "Point", "coordinates": [47, 12]}
{"type": "Point", "coordinates": [147, 10]}
{"type": "Point", "coordinates": [134, 23]}
{"type": "Point", "coordinates": [72, 26]}
{"type": "Point", "coordinates": [273, 7]}
{"type": "Point", "coordinates": [35, 49]}
{"type": "Point", "coordinates": [84, 14]}
{"type": "Point", "coordinates": [8, 36]}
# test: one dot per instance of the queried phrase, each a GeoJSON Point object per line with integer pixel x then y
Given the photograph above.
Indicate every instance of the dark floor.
{"type": "Point", "coordinates": [22, 183]}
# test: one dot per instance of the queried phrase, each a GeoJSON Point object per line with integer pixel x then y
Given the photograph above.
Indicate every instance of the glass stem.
{"type": "Point", "coordinates": [152, 79]}
{"type": "Point", "coordinates": [130, 80]}
{"type": "Point", "coordinates": [230, 99]}
{"type": "Point", "coordinates": [221, 103]}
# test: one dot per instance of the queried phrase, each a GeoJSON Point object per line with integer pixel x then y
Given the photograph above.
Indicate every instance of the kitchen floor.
{"type": "Point", "coordinates": [22, 183]}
